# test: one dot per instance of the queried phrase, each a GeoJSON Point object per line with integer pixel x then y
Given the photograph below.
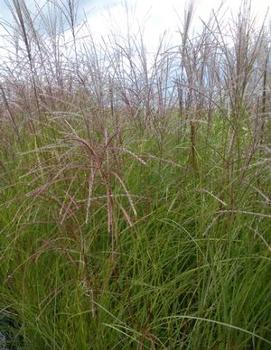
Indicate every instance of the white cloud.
{"type": "Point", "coordinates": [155, 15]}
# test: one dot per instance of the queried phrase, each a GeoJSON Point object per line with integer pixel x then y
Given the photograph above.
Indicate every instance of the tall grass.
{"type": "Point", "coordinates": [135, 187]}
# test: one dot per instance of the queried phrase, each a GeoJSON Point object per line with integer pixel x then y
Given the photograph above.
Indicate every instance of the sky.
{"type": "Point", "coordinates": [162, 14]}
{"type": "Point", "coordinates": [156, 16]}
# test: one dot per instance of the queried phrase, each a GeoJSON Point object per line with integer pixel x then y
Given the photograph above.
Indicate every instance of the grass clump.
{"type": "Point", "coordinates": [135, 214]}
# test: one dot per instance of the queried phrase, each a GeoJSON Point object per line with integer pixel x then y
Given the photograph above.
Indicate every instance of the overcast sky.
{"type": "Point", "coordinates": [162, 12]}
{"type": "Point", "coordinates": [155, 15]}
{"type": "Point", "coordinates": [158, 15]}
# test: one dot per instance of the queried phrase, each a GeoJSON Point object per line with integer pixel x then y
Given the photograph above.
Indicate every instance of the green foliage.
{"type": "Point", "coordinates": [190, 265]}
